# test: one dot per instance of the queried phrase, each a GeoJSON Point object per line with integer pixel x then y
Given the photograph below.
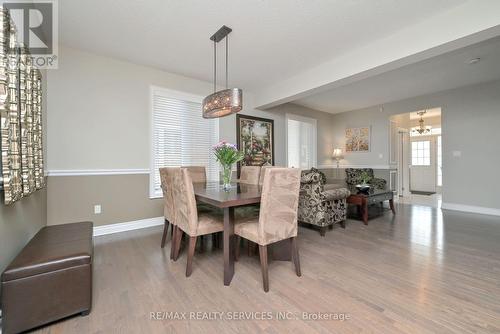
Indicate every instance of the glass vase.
{"type": "Point", "coordinates": [227, 172]}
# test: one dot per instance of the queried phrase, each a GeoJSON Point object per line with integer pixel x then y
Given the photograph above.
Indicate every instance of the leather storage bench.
{"type": "Point", "coordinates": [50, 279]}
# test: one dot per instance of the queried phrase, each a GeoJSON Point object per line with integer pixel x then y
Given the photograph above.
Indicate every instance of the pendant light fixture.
{"type": "Point", "coordinates": [224, 102]}
{"type": "Point", "coordinates": [422, 129]}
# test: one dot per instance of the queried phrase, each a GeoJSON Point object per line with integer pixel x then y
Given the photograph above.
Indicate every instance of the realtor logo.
{"type": "Point", "coordinates": [36, 24]}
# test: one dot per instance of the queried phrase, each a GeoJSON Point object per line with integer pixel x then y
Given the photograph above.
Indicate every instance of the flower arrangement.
{"type": "Point", "coordinates": [227, 154]}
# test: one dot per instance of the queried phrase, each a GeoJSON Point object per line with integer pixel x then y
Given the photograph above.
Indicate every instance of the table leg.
{"type": "Point", "coordinates": [364, 209]}
{"type": "Point", "coordinates": [391, 204]}
{"type": "Point", "coordinates": [228, 245]}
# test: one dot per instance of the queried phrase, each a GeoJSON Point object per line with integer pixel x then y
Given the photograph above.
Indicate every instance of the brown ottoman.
{"type": "Point", "coordinates": [50, 279]}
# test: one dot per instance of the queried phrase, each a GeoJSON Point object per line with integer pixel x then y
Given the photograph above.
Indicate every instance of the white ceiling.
{"type": "Point", "coordinates": [271, 39]}
{"type": "Point", "coordinates": [440, 73]}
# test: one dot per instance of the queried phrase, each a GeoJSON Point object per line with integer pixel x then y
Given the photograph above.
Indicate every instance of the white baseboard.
{"type": "Point", "coordinates": [128, 226]}
{"type": "Point", "coordinates": [471, 208]}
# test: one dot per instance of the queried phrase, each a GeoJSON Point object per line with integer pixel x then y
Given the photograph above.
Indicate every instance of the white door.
{"type": "Point", "coordinates": [423, 164]}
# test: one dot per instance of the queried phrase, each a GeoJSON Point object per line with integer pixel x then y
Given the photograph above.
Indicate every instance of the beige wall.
{"type": "Point", "coordinates": [123, 198]}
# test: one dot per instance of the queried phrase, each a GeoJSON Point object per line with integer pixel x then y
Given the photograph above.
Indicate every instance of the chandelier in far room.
{"type": "Point", "coordinates": [229, 100]}
{"type": "Point", "coordinates": [421, 128]}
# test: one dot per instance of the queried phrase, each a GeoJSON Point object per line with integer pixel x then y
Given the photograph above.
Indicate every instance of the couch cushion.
{"type": "Point", "coordinates": [53, 248]}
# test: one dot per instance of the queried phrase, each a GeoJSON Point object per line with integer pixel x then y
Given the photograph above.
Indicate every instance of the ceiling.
{"type": "Point", "coordinates": [271, 39]}
{"type": "Point", "coordinates": [447, 71]}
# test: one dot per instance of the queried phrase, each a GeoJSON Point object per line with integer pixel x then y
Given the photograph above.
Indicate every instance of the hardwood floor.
{"type": "Point", "coordinates": [417, 272]}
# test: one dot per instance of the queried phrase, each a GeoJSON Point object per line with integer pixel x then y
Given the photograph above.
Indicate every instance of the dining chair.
{"type": "Point", "coordinates": [167, 183]}
{"type": "Point", "coordinates": [277, 218]}
{"type": "Point", "coordinates": [188, 219]}
{"type": "Point", "coordinates": [263, 172]}
{"type": "Point", "coordinates": [167, 201]}
{"type": "Point", "coordinates": [197, 173]}
{"type": "Point", "coordinates": [249, 174]}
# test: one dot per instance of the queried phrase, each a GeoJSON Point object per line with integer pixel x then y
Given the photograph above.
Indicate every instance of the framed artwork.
{"type": "Point", "coordinates": [357, 139]}
{"type": "Point", "coordinates": [255, 137]}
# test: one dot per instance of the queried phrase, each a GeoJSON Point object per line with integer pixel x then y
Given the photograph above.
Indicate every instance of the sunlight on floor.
{"type": "Point", "coordinates": [425, 200]}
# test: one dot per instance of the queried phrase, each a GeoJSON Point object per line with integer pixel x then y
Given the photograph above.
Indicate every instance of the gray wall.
{"type": "Point", "coordinates": [19, 222]}
{"type": "Point", "coordinates": [470, 120]}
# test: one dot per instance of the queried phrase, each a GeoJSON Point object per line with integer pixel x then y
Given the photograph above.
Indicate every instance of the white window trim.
{"type": "Point", "coordinates": [315, 136]}
{"type": "Point", "coordinates": [172, 94]}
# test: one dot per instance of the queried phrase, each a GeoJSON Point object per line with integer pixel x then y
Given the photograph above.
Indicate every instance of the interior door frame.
{"type": "Point", "coordinates": [403, 166]}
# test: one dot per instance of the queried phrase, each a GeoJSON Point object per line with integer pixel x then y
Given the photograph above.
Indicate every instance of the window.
{"type": "Point", "coordinates": [421, 153]}
{"type": "Point", "coordinates": [301, 141]}
{"type": "Point", "coordinates": [439, 162]}
{"type": "Point", "coordinates": [180, 136]}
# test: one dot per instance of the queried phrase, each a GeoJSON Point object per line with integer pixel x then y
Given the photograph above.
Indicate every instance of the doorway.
{"type": "Point", "coordinates": [418, 157]}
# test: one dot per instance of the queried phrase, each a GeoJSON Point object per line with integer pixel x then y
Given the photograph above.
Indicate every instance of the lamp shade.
{"type": "Point", "coordinates": [223, 103]}
{"type": "Point", "coordinates": [337, 153]}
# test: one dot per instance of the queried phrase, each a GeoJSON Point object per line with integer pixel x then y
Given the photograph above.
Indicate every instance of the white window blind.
{"type": "Point", "coordinates": [180, 135]}
{"type": "Point", "coordinates": [301, 141]}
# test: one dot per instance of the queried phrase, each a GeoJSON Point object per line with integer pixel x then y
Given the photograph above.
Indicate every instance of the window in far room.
{"type": "Point", "coordinates": [421, 153]}
{"type": "Point", "coordinates": [180, 135]}
{"type": "Point", "coordinates": [301, 141]}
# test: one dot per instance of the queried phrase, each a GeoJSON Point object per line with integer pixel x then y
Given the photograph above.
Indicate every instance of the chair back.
{"type": "Point", "coordinates": [279, 204]}
{"type": "Point", "coordinates": [353, 175]}
{"type": "Point", "coordinates": [186, 213]}
{"type": "Point", "coordinates": [197, 173]}
{"type": "Point", "coordinates": [263, 172]}
{"type": "Point", "coordinates": [250, 174]}
{"type": "Point", "coordinates": [167, 182]}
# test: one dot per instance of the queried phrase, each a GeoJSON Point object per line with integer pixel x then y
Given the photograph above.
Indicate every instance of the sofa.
{"type": "Point", "coordinates": [353, 177]}
{"type": "Point", "coordinates": [318, 206]}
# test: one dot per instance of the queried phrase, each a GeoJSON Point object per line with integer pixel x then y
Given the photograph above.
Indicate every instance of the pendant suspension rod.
{"type": "Point", "coordinates": [227, 53]}
{"type": "Point", "coordinates": [215, 66]}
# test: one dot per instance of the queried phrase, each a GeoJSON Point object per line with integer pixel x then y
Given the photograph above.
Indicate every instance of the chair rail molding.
{"type": "Point", "coordinates": [356, 166]}
{"type": "Point", "coordinates": [83, 172]}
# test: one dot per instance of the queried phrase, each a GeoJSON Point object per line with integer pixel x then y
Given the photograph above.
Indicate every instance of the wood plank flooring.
{"type": "Point", "coordinates": [420, 271]}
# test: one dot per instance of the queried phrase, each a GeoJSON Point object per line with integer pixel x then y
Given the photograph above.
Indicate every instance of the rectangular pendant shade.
{"type": "Point", "coordinates": [223, 103]}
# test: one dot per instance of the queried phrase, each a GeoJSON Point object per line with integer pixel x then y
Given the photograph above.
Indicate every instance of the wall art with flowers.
{"type": "Point", "coordinates": [255, 138]}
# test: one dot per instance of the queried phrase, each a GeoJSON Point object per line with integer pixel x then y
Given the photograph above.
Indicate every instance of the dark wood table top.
{"type": "Point", "coordinates": [240, 194]}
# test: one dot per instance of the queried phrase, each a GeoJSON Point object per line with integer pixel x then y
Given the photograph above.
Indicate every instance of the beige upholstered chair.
{"type": "Point", "coordinates": [263, 172]}
{"type": "Point", "coordinates": [250, 174]}
{"type": "Point", "coordinates": [188, 219]}
{"type": "Point", "coordinates": [197, 173]}
{"type": "Point", "coordinates": [167, 181]}
{"type": "Point", "coordinates": [277, 219]}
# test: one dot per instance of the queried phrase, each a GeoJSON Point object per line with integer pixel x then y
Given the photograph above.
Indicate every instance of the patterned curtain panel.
{"type": "Point", "coordinates": [20, 116]}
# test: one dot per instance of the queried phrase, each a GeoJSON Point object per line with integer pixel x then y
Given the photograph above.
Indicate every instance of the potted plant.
{"type": "Point", "coordinates": [365, 179]}
{"type": "Point", "coordinates": [227, 154]}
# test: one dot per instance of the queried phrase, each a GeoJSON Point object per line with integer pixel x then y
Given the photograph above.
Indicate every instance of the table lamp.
{"type": "Point", "coordinates": [337, 155]}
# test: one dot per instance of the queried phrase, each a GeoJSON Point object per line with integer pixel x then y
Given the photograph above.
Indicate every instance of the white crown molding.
{"type": "Point", "coordinates": [82, 172]}
{"type": "Point", "coordinates": [357, 166]}
{"type": "Point", "coordinates": [128, 226]}
{"type": "Point", "coordinates": [470, 208]}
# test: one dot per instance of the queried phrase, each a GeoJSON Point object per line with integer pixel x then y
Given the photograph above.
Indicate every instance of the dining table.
{"type": "Point", "coordinates": [240, 194]}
